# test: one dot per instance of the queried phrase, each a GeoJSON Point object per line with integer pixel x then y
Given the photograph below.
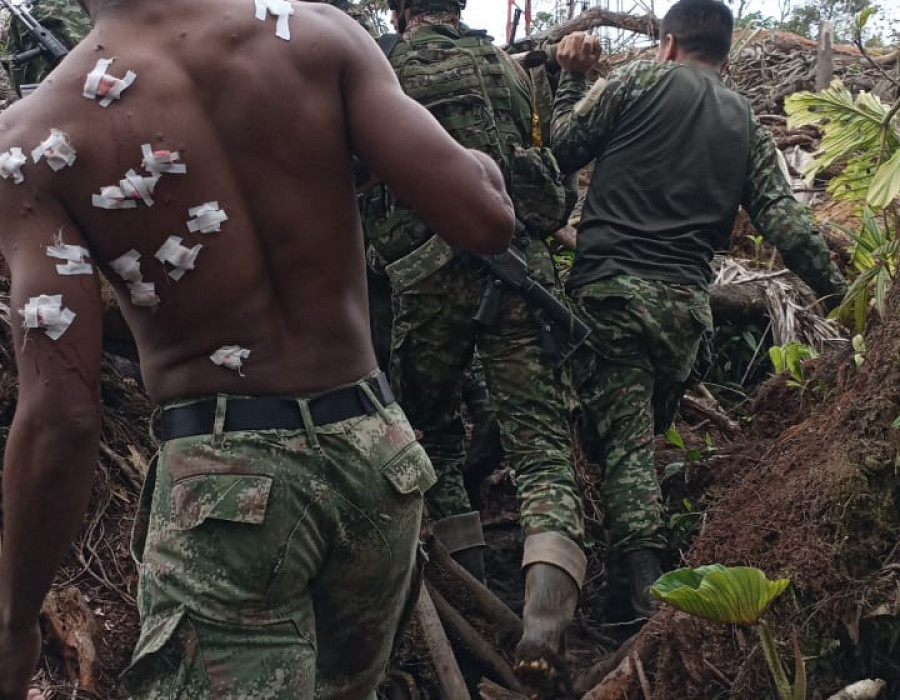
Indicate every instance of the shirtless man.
{"type": "Point", "coordinates": [276, 536]}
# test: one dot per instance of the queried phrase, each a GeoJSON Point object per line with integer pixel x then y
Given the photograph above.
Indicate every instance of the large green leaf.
{"type": "Point", "coordinates": [736, 595]}
{"type": "Point", "coordinates": [885, 185]}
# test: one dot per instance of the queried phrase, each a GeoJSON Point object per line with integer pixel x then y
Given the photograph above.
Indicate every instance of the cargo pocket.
{"type": "Point", "coordinates": [410, 470]}
{"type": "Point", "coordinates": [237, 498]}
{"type": "Point", "coordinates": [220, 526]}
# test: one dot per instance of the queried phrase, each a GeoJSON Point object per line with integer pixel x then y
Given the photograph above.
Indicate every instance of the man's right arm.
{"type": "Point", "coordinates": [460, 193]}
{"type": "Point", "coordinates": [785, 222]}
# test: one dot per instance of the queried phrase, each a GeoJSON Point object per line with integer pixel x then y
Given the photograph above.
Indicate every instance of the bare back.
{"type": "Point", "coordinates": [265, 130]}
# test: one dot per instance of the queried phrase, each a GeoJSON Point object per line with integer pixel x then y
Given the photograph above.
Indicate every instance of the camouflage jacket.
{"type": "Point", "coordinates": [64, 18]}
{"type": "Point", "coordinates": [584, 120]}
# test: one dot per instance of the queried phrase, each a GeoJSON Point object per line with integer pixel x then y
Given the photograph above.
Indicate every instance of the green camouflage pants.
{"type": "Point", "coordinates": [278, 564]}
{"type": "Point", "coordinates": [434, 338]}
{"type": "Point", "coordinates": [630, 379]}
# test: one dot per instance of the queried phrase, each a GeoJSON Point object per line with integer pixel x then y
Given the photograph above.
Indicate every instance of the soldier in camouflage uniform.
{"type": "Point", "coordinates": [436, 293]}
{"type": "Point", "coordinates": [64, 18]}
{"type": "Point", "coordinates": [676, 154]}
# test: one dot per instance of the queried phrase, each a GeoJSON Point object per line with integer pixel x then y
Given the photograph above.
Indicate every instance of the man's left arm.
{"type": "Point", "coordinates": [53, 442]}
{"type": "Point", "coordinates": [785, 222]}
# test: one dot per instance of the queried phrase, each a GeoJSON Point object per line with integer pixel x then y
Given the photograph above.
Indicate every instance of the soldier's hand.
{"type": "Point", "coordinates": [578, 52]}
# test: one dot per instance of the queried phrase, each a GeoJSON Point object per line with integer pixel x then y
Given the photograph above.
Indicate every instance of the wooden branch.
{"type": "Point", "coordinates": [492, 691]}
{"type": "Point", "coordinates": [459, 628]}
{"type": "Point", "coordinates": [452, 580]}
{"type": "Point", "coordinates": [74, 629]}
{"type": "Point", "coordinates": [620, 683]}
{"type": "Point", "coordinates": [594, 17]}
{"type": "Point", "coordinates": [452, 682]}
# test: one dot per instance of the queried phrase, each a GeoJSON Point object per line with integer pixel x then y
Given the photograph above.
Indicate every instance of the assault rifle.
{"type": "Point", "coordinates": [46, 41]}
{"type": "Point", "coordinates": [562, 332]}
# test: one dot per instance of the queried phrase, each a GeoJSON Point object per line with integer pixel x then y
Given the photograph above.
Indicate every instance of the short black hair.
{"type": "Point", "coordinates": [702, 28]}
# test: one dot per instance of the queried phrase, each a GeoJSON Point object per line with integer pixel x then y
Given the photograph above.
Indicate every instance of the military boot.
{"type": "Point", "coordinates": [551, 596]}
{"type": "Point", "coordinates": [464, 539]}
{"type": "Point", "coordinates": [643, 570]}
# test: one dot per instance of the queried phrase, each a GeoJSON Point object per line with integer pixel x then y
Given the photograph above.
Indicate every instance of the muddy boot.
{"type": "Point", "coordinates": [643, 570]}
{"type": "Point", "coordinates": [551, 595]}
{"type": "Point", "coordinates": [464, 539]}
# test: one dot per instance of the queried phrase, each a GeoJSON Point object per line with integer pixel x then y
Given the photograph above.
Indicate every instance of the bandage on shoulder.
{"type": "Point", "coordinates": [281, 10]}
{"type": "Point", "coordinates": [56, 150]}
{"type": "Point", "coordinates": [11, 163]}
{"type": "Point", "coordinates": [47, 313]}
{"type": "Point", "coordinates": [162, 161]}
{"type": "Point", "coordinates": [207, 218]}
{"type": "Point", "coordinates": [107, 87]}
{"type": "Point", "coordinates": [178, 256]}
{"type": "Point", "coordinates": [230, 356]}
{"type": "Point", "coordinates": [75, 258]}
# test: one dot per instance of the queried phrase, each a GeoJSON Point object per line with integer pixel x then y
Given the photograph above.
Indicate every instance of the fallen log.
{"type": "Point", "coordinates": [589, 19]}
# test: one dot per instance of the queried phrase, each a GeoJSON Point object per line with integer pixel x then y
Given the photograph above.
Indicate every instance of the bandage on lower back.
{"type": "Point", "coordinates": [230, 356]}
{"type": "Point", "coordinates": [107, 87]}
{"type": "Point", "coordinates": [46, 312]}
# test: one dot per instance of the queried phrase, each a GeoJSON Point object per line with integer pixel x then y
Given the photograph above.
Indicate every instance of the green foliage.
{"type": "Point", "coordinates": [875, 256]}
{"type": "Point", "coordinates": [789, 357]}
{"type": "Point", "coordinates": [805, 18]}
{"type": "Point", "coordinates": [863, 135]}
{"type": "Point", "coordinates": [737, 595]}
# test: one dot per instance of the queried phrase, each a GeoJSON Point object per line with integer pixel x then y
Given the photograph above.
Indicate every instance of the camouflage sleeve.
{"type": "Point", "coordinates": [583, 118]}
{"type": "Point", "coordinates": [574, 137]}
{"type": "Point", "coordinates": [785, 222]}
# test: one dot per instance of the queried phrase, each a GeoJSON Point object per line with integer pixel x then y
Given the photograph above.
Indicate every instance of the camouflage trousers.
{"type": "Point", "coordinates": [433, 341]}
{"type": "Point", "coordinates": [630, 379]}
{"type": "Point", "coordinates": [278, 564]}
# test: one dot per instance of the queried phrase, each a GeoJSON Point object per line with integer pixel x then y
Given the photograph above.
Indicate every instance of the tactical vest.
{"type": "Point", "coordinates": [476, 95]}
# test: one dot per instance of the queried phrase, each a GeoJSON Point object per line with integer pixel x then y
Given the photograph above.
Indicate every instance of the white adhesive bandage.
{"type": "Point", "coordinates": [163, 161]}
{"type": "Point", "coordinates": [107, 87]}
{"type": "Point", "coordinates": [131, 188]}
{"type": "Point", "coordinates": [143, 293]}
{"type": "Point", "coordinates": [74, 255]}
{"type": "Point", "coordinates": [128, 267]}
{"type": "Point", "coordinates": [230, 356]}
{"type": "Point", "coordinates": [11, 163]}
{"type": "Point", "coordinates": [46, 312]}
{"type": "Point", "coordinates": [56, 149]}
{"type": "Point", "coordinates": [208, 218]}
{"type": "Point", "coordinates": [179, 257]}
{"type": "Point", "coordinates": [282, 10]}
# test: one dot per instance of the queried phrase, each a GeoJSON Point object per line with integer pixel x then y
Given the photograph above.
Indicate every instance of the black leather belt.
{"type": "Point", "coordinates": [274, 413]}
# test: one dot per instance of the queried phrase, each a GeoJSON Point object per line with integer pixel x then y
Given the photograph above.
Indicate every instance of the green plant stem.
{"type": "Point", "coordinates": [774, 662]}
{"type": "Point", "coordinates": [799, 668]}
